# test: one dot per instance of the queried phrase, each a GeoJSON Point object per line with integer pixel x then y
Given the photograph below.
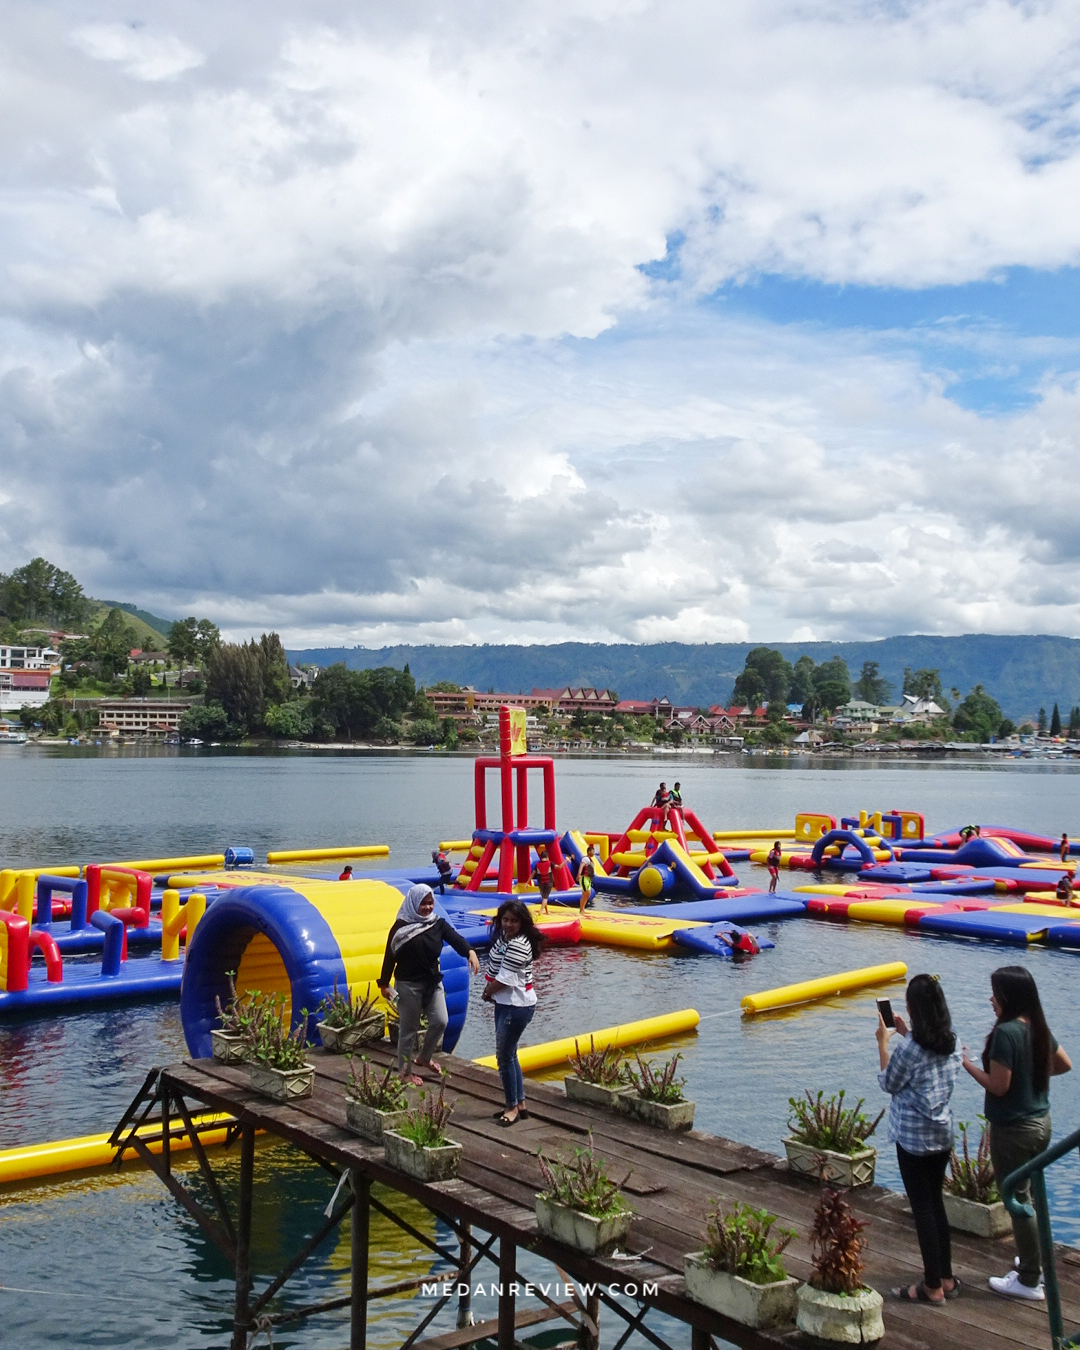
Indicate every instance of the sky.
{"type": "Point", "coordinates": [605, 320]}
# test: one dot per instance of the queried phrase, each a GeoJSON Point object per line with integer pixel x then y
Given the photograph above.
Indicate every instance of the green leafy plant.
{"type": "Point", "coordinates": [836, 1244]}
{"type": "Point", "coordinates": [425, 1124]}
{"type": "Point", "coordinates": [971, 1176]}
{"type": "Point", "coordinates": [385, 1092]}
{"type": "Point", "coordinates": [243, 1012]}
{"type": "Point", "coordinates": [582, 1183]}
{"type": "Point", "coordinates": [658, 1084]}
{"type": "Point", "coordinates": [343, 1013]}
{"type": "Point", "coordinates": [740, 1240]}
{"type": "Point", "coordinates": [606, 1068]}
{"type": "Point", "coordinates": [273, 1045]}
{"type": "Point", "coordinates": [829, 1124]}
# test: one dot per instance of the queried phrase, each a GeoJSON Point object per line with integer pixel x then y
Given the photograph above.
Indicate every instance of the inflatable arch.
{"type": "Point", "coordinates": [840, 838]}
{"type": "Point", "coordinates": [295, 941]}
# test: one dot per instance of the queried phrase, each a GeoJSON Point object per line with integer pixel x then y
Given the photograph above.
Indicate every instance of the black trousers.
{"type": "Point", "coordinates": [923, 1175]}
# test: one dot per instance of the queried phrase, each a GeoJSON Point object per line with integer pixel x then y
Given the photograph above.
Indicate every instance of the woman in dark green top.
{"type": "Point", "coordinates": [1018, 1061]}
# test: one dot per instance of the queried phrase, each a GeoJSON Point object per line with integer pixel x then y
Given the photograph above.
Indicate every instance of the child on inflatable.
{"type": "Point", "coordinates": [1064, 848]}
{"type": "Point", "coordinates": [662, 799]}
{"type": "Point", "coordinates": [586, 872]}
{"type": "Point", "coordinates": [772, 862]}
{"type": "Point", "coordinates": [346, 875]}
{"type": "Point", "coordinates": [740, 941]}
{"type": "Point", "coordinates": [1065, 889]}
{"type": "Point", "coordinates": [446, 869]}
{"type": "Point", "coordinates": [676, 797]}
{"type": "Point", "coordinates": [542, 874]}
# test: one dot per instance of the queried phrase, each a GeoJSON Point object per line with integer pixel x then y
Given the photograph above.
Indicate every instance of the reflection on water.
{"type": "Point", "coordinates": [119, 1263]}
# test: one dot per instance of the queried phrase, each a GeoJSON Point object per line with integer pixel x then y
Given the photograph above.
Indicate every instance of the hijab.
{"type": "Point", "coordinates": [413, 923]}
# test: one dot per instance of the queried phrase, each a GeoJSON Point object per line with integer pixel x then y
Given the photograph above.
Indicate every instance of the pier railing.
{"type": "Point", "coordinates": [1035, 1169]}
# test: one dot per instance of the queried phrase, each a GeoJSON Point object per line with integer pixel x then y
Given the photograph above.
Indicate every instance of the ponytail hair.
{"type": "Point", "coordinates": [1017, 995]}
{"type": "Point", "coordinates": [529, 930]}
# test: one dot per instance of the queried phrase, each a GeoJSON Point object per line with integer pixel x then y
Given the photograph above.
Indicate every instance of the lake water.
{"type": "Point", "coordinates": [113, 1261]}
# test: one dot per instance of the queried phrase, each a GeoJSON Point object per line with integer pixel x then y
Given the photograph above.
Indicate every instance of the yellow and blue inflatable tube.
{"type": "Point", "coordinates": [296, 941]}
{"type": "Point", "coordinates": [550, 1053]}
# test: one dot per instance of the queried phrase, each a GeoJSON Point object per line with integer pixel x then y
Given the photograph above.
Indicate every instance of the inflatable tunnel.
{"type": "Point", "coordinates": [842, 838]}
{"type": "Point", "coordinates": [296, 940]}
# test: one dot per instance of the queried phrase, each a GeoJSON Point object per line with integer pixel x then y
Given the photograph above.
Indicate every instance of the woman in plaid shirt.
{"type": "Point", "coordinates": [920, 1077]}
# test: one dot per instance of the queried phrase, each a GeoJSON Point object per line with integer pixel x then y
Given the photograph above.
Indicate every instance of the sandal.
{"type": "Point", "coordinates": [507, 1121]}
{"type": "Point", "coordinates": [954, 1292]}
{"type": "Point", "coordinates": [905, 1295]}
{"type": "Point", "coordinates": [436, 1069]}
{"type": "Point", "coordinates": [413, 1080]}
{"type": "Point", "coordinates": [522, 1113]}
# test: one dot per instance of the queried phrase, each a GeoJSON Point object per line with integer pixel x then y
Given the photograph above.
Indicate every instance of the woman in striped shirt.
{"type": "Point", "coordinates": [509, 987]}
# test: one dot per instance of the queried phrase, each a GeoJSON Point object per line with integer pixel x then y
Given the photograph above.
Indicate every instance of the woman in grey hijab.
{"type": "Point", "coordinates": [413, 947]}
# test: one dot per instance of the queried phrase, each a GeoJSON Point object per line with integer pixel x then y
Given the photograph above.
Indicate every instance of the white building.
{"type": "Point", "coordinates": [29, 658]}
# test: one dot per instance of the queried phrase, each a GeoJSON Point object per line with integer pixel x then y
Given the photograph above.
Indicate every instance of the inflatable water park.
{"type": "Point", "coordinates": [74, 935]}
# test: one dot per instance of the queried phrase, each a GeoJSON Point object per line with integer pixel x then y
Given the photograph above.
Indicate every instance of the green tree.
{"type": "Point", "coordinates": [1006, 728]}
{"type": "Point", "coordinates": [40, 592]}
{"type": "Point", "coordinates": [766, 676]}
{"type": "Point", "coordinates": [1074, 722]}
{"type": "Point", "coordinates": [424, 732]}
{"type": "Point", "coordinates": [802, 687]}
{"type": "Point", "coordinates": [870, 686]}
{"type": "Point", "coordinates": [181, 643]}
{"type": "Point", "coordinates": [1042, 721]}
{"type": "Point", "coordinates": [832, 683]}
{"type": "Point", "coordinates": [246, 678]}
{"type": "Point", "coordinates": [1055, 722]}
{"type": "Point", "coordinates": [363, 702]}
{"type": "Point", "coordinates": [925, 683]}
{"type": "Point", "coordinates": [112, 644]}
{"type": "Point", "coordinates": [206, 722]}
{"type": "Point", "coordinates": [141, 684]}
{"type": "Point", "coordinates": [978, 716]}
{"type": "Point", "coordinates": [292, 720]}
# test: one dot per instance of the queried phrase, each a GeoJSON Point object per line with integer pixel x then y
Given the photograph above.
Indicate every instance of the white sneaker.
{"type": "Point", "coordinates": [1016, 1266]}
{"type": "Point", "coordinates": [1010, 1286]}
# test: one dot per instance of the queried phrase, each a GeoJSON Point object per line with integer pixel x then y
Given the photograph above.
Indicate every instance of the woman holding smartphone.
{"type": "Point", "coordinates": [920, 1076]}
{"type": "Point", "coordinates": [1018, 1061]}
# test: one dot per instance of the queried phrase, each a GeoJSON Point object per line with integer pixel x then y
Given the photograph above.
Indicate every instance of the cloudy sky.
{"type": "Point", "coordinates": [612, 320]}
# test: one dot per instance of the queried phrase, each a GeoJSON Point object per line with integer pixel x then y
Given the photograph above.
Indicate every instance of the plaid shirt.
{"type": "Point", "coordinates": [921, 1084]}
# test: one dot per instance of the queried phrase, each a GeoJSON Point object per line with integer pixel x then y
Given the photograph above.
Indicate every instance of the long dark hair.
{"type": "Point", "coordinates": [1018, 996]}
{"type": "Point", "coordinates": [931, 1025]}
{"type": "Point", "coordinates": [529, 930]}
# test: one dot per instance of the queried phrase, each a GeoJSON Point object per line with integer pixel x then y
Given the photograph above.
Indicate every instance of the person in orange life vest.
{"type": "Point", "coordinates": [542, 872]}
{"type": "Point", "coordinates": [772, 862]}
{"type": "Point", "coordinates": [740, 941]}
{"type": "Point", "coordinates": [346, 874]}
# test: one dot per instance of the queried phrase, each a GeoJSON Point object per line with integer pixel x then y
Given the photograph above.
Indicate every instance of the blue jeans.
{"type": "Point", "coordinates": [510, 1023]}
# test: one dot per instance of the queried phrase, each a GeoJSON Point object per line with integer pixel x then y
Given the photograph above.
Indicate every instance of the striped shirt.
{"type": "Point", "coordinates": [511, 963]}
{"type": "Point", "coordinates": [921, 1085]}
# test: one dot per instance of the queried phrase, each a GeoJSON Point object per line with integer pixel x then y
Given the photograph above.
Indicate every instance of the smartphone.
{"type": "Point", "coordinates": [884, 1007]}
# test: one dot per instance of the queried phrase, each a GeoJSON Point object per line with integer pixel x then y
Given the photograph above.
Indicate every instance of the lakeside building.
{"type": "Point", "coordinates": [29, 658]}
{"type": "Point", "coordinates": [141, 716]}
{"type": "Point", "coordinates": [23, 689]}
{"type": "Point", "coordinates": [469, 706]}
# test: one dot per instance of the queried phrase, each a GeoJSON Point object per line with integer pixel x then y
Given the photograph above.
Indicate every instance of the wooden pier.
{"type": "Point", "coordinates": [490, 1209]}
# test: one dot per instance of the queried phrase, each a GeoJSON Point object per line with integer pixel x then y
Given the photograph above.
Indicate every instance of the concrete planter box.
{"type": "Point", "coordinates": [283, 1085]}
{"type": "Point", "coordinates": [853, 1319]}
{"type": "Point", "coordinates": [339, 1042]}
{"type": "Point", "coordinates": [581, 1231]}
{"type": "Point", "coordinates": [422, 1164]}
{"type": "Point", "coordinates": [677, 1116]}
{"type": "Point", "coordinates": [754, 1305]}
{"type": "Point", "coordinates": [970, 1216]}
{"type": "Point", "coordinates": [228, 1047]}
{"type": "Point", "coordinates": [593, 1094]}
{"type": "Point", "coordinates": [370, 1123]}
{"type": "Point", "coordinates": [838, 1169]}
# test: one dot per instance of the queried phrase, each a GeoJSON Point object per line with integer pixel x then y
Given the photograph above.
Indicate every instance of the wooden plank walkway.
{"type": "Point", "coordinates": [674, 1180]}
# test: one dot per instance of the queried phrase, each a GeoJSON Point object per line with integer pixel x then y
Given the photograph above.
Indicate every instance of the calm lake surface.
{"type": "Point", "coordinates": [113, 1261]}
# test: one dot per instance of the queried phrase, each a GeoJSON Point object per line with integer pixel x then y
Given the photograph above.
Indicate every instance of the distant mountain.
{"type": "Point", "coordinates": [1022, 673]}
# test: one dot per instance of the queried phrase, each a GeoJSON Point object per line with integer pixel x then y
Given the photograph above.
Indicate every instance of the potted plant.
{"type": "Point", "coordinates": [374, 1102]}
{"type": "Point", "coordinates": [835, 1305]}
{"type": "Point", "coordinates": [344, 1024]}
{"type": "Point", "coordinates": [279, 1065]}
{"type": "Point", "coordinates": [657, 1098]}
{"type": "Point", "coordinates": [828, 1140]}
{"type": "Point", "coordinates": [419, 1147]}
{"type": "Point", "coordinates": [580, 1205]}
{"type": "Point", "coordinates": [972, 1202]}
{"type": "Point", "coordinates": [599, 1077]}
{"type": "Point", "coordinates": [231, 1041]}
{"type": "Point", "coordinates": [740, 1274]}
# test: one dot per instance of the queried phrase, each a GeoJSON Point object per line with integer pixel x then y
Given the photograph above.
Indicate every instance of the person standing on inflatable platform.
{"type": "Point", "coordinates": [413, 947]}
{"type": "Point", "coordinates": [586, 872]}
{"type": "Point", "coordinates": [509, 987]}
{"type": "Point", "coordinates": [1064, 848]}
{"type": "Point", "coordinates": [662, 799]}
{"type": "Point", "coordinates": [542, 873]}
{"type": "Point", "coordinates": [446, 870]}
{"type": "Point", "coordinates": [772, 862]}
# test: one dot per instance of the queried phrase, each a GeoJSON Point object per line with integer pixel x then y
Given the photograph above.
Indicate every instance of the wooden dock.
{"type": "Point", "coordinates": [490, 1208]}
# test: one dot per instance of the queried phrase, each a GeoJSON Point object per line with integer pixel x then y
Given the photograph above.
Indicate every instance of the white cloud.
{"type": "Point", "coordinates": [346, 331]}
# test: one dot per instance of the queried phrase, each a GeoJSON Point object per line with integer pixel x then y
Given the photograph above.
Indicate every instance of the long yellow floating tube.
{"type": "Point", "coordinates": [550, 1053]}
{"type": "Point", "coordinates": [455, 845]}
{"type": "Point", "coordinates": [753, 834]}
{"type": "Point", "coordinates": [287, 855]}
{"type": "Point", "coordinates": [88, 1150]}
{"type": "Point", "coordinates": [807, 991]}
{"type": "Point", "coordinates": [168, 864]}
